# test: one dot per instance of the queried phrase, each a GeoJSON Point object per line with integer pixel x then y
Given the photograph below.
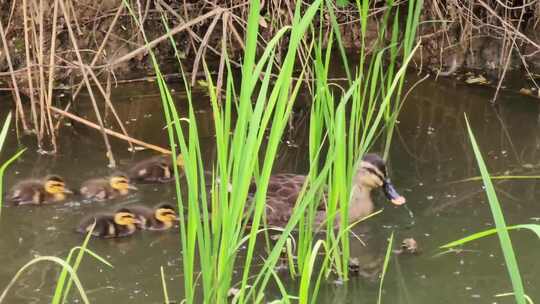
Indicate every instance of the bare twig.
{"type": "Point", "coordinates": [18, 102]}
{"type": "Point", "coordinates": [110, 156]}
{"type": "Point", "coordinates": [110, 132]}
{"type": "Point", "coordinates": [162, 38]}
{"type": "Point", "coordinates": [200, 52]}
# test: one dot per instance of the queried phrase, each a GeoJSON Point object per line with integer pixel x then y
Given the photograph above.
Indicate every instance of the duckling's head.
{"type": "Point", "coordinates": [180, 160]}
{"type": "Point", "coordinates": [166, 214]}
{"type": "Point", "coordinates": [124, 217]}
{"type": "Point", "coordinates": [372, 174]}
{"type": "Point", "coordinates": [120, 182]}
{"type": "Point", "coordinates": [55, 186]}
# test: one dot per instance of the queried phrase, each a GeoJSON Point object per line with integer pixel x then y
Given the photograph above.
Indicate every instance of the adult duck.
{"type": "Point", "coordinates": [283, 191]}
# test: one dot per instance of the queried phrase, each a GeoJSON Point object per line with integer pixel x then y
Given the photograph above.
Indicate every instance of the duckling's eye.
{"type": "Point", "coordinates": [55, 185]}
{"type": "Point", "coordinates": [372, 171]}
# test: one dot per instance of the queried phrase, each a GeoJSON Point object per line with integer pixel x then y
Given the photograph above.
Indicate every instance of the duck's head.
{"type": "Point", "coordinates": [166, 214]}
{"type": "Point", "coordinates": [372, 174]}
{"type": "Point", "coordinates": [124, 217]}
{"type": "Point", "coordinates": [121, 183]}
{"type": "Point", "coordinates": [56, 186]}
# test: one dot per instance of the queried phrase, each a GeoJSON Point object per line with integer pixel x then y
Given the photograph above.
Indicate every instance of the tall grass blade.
{"type": "Point", "coordinates": [385, 266]}
{"type": "Point", "coordinates": [78, 259]}
{"type": "Point", "coordinates": [498, 217]}
{"type": "Point", "coordinates": [52, 259]}
{"type": "Point", "coordinates": [535, 228]}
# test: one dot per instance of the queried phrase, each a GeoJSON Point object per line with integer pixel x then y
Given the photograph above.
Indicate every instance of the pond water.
{"type": "Point", "coordinates": [430, 152]}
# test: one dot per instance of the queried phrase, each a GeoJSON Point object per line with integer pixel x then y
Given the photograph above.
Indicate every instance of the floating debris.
{"type": "Point", "coordinates": [408, 246]}
{"type": "Point", "coordinates": [476, 80]}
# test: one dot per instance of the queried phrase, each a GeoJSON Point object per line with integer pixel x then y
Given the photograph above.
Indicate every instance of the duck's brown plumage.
{"type": "Point", "coordinates": [149, 219]}
{"type": "Point", "coordinates": [283, 191]}
{"type": "Point", "coordinates": [108, 225]}
{"type": "Point", "coordinates": [38, 191]}
{"type": "Point", "coordinates": [106, 188]}
{"type": "Point", "coordinates": [156, 169]}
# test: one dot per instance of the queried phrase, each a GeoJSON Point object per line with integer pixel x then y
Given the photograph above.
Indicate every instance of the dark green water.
{"type": "Point", "coordinates": [430, 150]}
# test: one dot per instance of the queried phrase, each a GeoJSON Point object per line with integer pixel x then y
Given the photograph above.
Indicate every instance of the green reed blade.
{"type": "Point", "coordinates": [385, 266]}
{"type": "Point", "coordinates": [498, 217]}
{"type": "Point", "coordinates": [535, 228]}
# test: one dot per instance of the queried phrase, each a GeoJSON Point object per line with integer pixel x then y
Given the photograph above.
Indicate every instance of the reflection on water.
{"type": "Point", "coordinates": [430, 153]}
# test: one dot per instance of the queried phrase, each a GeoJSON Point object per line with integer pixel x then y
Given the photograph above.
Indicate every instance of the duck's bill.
{"type": "Point", "coordinates": [66, 190]}
{"type": "Point", "coordinates": [392, 194]}
{"type": "Point", "coordinates": [131, 187]}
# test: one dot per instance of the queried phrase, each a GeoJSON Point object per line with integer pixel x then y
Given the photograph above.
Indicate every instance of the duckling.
{"type": "Point", "coordinates": [121, 223]}
{"type": "Point", "coordinates": [162, 217]}
{"type": "Point", "coordinates": [106, 188]}
{"type": "Point", "coordinates": [34, 191]}
{"type": "Point", "coordinates": [157, 169]}
{"type": "Point", "coordinates": [283, 191]}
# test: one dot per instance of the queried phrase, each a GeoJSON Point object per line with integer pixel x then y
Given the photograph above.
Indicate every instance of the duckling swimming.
{"type": "Point", "coordinates": [121, 223]}
{"type": "Point", "coordinates": [283, 191]}
{"type": "Point", "coordinates": [106, 188]}
{"type": "Point", "coordinates": [157, 169]}
{"type": "Point", "coordinates": [162, 217]}
{"type": "Point", "coordinates": [34, 191]}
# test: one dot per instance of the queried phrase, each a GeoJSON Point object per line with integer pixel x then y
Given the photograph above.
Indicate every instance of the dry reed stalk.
{"type": "Point", "coordinates": [30, 79]}
{"type": "Point", "coordinates": [202, 46]}
{"type": "Point", "coordinates": [83, 70]}
{"type": "Point", "coordinates": [110, 132]}
{"type": "Point", "coordinates": [11, 13]}
{"type": "Point", "coordinates": [75, 20]}
{"type": "Point", "coordinates": [52, 70]}
{"type": "Point", "coordinates": [192, 35]}
{"type": "Point", "coordinates": [119, 11]}
{"type": "Point", "coordinates": [508, 25]}
{"type": "Point", "coordinates": [221, 69]}
{"type": "Point", "coordinates": [18, 101]}
{"type": "Point", "coordinates": [48, 121]}
{"type": "Point", "coordinates": [510, 47]}
{"type": "Point", "coordinates": [179, 28]}
{"type": "Point", "coordinates": [106, 96]}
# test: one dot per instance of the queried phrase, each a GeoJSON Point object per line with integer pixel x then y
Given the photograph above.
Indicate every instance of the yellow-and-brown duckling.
{"type": "Point", "coordinates": [157, 169]}
{"type": "Point", "coordinates": [283, 191]}
{"type": "Point", "coordinates": [162, 217]}
{"type": "Point", "coordinates": [121, 223]}
{"type": "Point", "coordinates": [111, 187]}
{"type": "Point", "coordinates": [50, 189]}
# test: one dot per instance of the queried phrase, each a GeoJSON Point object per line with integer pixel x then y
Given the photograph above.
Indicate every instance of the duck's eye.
{"type": "Point", "coordinates": [166, 214]}
{"type": "Point", "coordinates": [169, 213]}
{"type": "Point", "coordinates": [374, 172]}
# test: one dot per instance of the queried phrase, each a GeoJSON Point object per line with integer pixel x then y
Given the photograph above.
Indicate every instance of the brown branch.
{"type": "Point", "coordinates": [110, 132]}
{"type": "Point", "coordinates": [109, 155]}
{"type": "Point", "coordinates": [162, 38]}
{"type": "Point", "coordinates": [18, 101]}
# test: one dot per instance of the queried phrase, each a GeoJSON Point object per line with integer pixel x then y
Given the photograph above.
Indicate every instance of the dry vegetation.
{"type": "Point", "coordinates": [94, 45]}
